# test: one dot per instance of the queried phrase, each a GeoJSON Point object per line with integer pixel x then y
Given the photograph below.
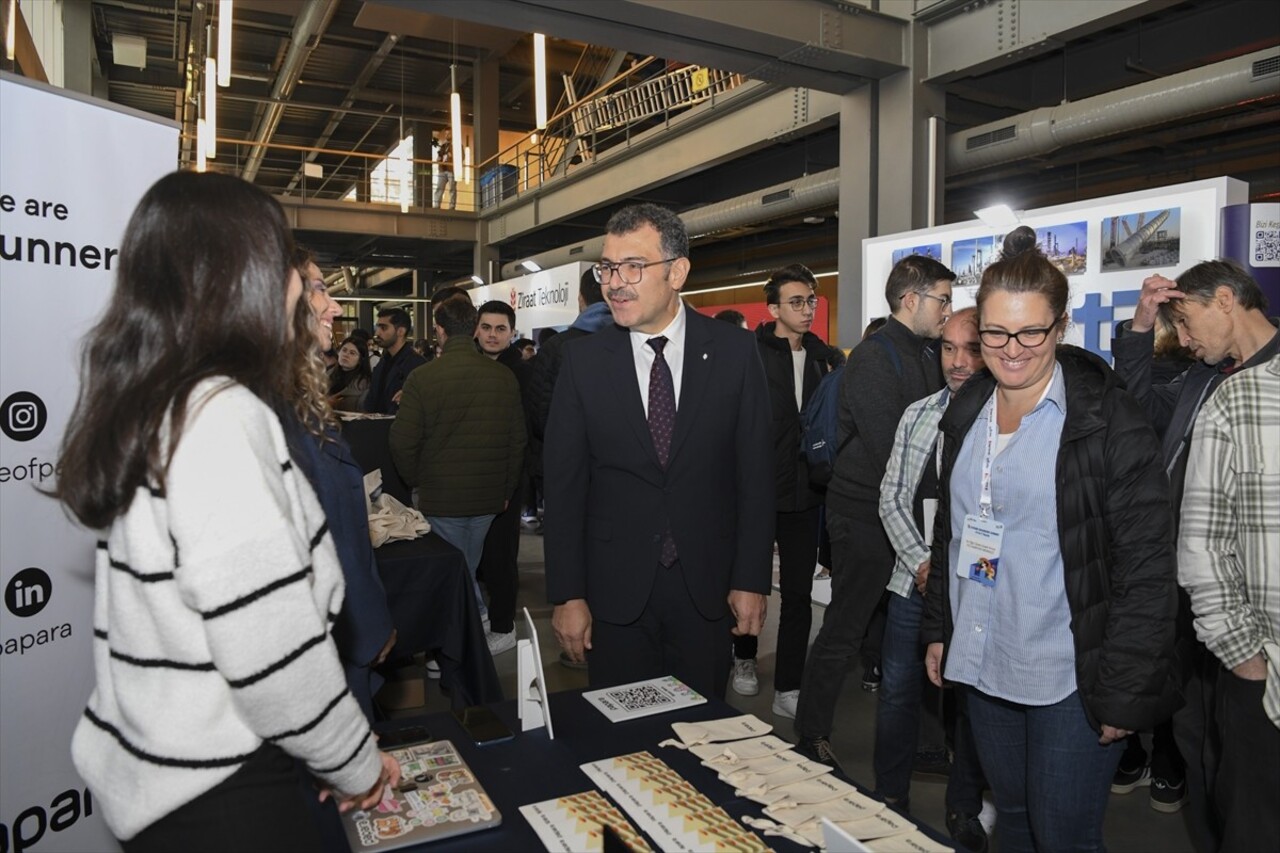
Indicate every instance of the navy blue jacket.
{"type": "Point", "coordinates": [364, 624]}
{"type": "Point", "coordinates": [388, 378]}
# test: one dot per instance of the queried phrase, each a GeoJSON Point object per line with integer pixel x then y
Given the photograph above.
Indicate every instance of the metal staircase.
{"type": "Point", "coordinates": [619, 107]}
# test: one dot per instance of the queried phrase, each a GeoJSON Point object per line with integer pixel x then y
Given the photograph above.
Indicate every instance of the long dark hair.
{"type": "Point", "coordinates": [361, 373]}
{"type": "Point", "coordinates": [200, 292]}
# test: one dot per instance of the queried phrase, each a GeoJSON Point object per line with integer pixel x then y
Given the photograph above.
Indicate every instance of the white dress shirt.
{"type": "Point", "coordinates": [673, 353]}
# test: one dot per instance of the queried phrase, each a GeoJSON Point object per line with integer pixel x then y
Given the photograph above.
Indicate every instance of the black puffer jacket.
{"type": "Point", "coordinates": [1114, 529]}
{"type": "Point", "coordinates": [793, 491]}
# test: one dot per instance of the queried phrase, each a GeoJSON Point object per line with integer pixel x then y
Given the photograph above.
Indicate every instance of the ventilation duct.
{"type": "Point", "coordinates": [773, 202]}
{"type": "Point", "coordinates": [312, 22]}
{"type": "Point", "coordinates": [1198, 90]}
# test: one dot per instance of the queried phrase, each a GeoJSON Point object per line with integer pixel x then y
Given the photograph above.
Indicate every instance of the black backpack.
{"type": "Point", "coordinates": [820, 420]}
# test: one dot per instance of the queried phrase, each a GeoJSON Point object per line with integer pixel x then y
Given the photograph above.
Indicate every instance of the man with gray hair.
{"type": "Point", "coordinates": [659, 492]}
{"type": "Point", "coordinates": [1219, 313]}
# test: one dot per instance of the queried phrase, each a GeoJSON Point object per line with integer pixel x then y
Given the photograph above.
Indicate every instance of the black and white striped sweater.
{"type": "Point", "coordinates": [214, 601]}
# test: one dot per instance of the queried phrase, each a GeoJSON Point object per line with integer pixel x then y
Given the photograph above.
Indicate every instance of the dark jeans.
{"type": "Point", "coordinates": [498, 565]}
{"type": "Point", "coordinates": [1196, 732]}
{"type": "Point", "coordinates": [1049, 776]}
{"type": "Point", "coordinates": [797, 537]}
{"type": "Point", "coordinates": [669, 638]}
{"type": "Point", "coordinates": [259, 807]}
{"type": "Point", "coordinates": [863, 562]}
{"type": "Point", "coordinates": [898, 715]}
{"type": "Point", "coordinates": [1249, 773]}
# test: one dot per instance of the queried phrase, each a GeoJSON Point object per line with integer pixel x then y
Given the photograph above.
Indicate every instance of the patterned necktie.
{"type": "Point", "coordinates": [662, 401]}
{"type": "Point", "coordinates": [662, 423]}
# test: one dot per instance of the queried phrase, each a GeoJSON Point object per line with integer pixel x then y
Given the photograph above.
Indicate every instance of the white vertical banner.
{"type": "Point", "coordinates": [71, 171]}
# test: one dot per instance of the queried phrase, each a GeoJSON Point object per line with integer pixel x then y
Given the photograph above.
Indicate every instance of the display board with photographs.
{"type": "Point", "coordinates": [928, 250]}
{"type": "Point", "coordinates": [1152, 238]}
{"type": "Point", "coordinates": [1065, 245]}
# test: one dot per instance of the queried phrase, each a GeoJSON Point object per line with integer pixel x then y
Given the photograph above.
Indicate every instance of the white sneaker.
{"type": "Point", "coordinates": [499, 643]}
{"type": "Point", "coordinates": [433, 670]}
{"type": "Point", "coordinates": [745, 682]}
{"type": "Point", "coordinates": [784, 703]}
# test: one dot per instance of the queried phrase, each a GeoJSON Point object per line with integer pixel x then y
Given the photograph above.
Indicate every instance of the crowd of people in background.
{"type": "Point", "coordinates": [1078, 553]}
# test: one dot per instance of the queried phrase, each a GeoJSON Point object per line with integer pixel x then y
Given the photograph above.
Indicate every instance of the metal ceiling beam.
{"type": "Point", "coordinates": [345, 217]}
{"type": "Point", "coordinates": [335, 118]}
{"type": "Point", "coordinates": [814, 45]}
{"type": "Point", "coordinates": [968, 39]}
{"type": "Point", "coordinates": [705, 136]}
{"type": "Point", "coordinates": [307, 30]}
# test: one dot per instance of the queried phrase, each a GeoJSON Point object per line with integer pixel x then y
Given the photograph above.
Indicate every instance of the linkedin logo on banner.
{"type": "Point", "coordinates": [58, 194]}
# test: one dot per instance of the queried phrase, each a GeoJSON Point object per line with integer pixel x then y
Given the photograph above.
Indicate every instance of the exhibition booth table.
{"type": "Point", "coordinates": [531, 768]}
{"type": "Point", "coordinates": [433, 607]}
{"type": "Point", "coordinates": [370, 441]}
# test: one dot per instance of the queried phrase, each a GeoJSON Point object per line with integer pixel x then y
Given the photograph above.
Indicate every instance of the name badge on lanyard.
{"type": "Point", "coordinates": [982, 536]}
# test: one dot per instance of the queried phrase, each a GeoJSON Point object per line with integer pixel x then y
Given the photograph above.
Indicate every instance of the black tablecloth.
{"type": "Point", "coordinates": [531, 768]}
{"type": "Point", "coordinates": [371, 446]}
{"type": "Point", "coordinates": [433, 607]}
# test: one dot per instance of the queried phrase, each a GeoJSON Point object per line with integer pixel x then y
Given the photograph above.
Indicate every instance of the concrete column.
{"type": "Point", "coordinates": [78, 50]}
{"type": "Point", "coordinates": [906, 104]}
{"type": "Point", "coordinates": [857, 206]}
{"type": "Point", "coordinates": [886, 156]}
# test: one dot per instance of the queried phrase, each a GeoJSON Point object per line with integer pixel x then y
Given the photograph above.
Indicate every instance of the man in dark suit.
{"type": "Point", "coordinates": [659, 515]}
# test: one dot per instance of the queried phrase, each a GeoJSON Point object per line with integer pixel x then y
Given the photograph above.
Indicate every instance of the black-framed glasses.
{"type": "Point", "coordinates": [945, 300]}
{"type": "Point", "coordinates": [799, 303]}
{"type": "Point", "coordinates": [997, 338]}
{"type": "Point", "coordinates": [629, 271]}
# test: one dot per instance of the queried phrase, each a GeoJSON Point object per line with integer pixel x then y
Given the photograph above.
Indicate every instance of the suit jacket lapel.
{"type": "Point", "coordinates": [698, 355]}
{"type": "Point", "coordinates": [623, 380]}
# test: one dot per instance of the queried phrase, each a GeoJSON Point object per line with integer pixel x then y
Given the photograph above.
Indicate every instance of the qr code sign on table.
{"type": "Point", "coordinates": [639, 697]}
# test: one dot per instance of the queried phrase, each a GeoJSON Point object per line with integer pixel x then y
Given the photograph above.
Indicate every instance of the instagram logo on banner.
{"type": "Point", "coordinates": [22, 416]}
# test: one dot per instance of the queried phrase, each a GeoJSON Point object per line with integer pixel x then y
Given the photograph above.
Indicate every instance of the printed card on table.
{"type": "Point", "coordinates": [671, 811]}
{"type": "Point", "coordinates": [644, 698]}
{"type": "Point", "coordinates": [573, 823]}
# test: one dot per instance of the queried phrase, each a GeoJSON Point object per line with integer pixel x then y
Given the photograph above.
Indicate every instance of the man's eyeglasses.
{"type": "Point", "coordinates": [997, 338]}
{"type": "Point", "coordinates": [945, 300]}
{"type": "Point", "coordinates": [630, 272]}
{"type": "Point", "coordinates": [799, 303]}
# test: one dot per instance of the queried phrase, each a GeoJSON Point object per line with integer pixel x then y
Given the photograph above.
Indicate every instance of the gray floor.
{"type": "Point", "coordinates": [1131, 824]}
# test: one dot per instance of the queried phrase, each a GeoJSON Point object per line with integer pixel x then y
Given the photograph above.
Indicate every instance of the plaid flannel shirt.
{"type": "Point", "coordinates": [914, 446]}
{"type": "Point", "coordinates": [1229, 545]}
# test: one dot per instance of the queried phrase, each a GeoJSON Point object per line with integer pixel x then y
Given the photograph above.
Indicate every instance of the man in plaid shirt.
{"type": "Point", "coordinates": [907, 500]}
{"type": "Point", "coordinates": [1229, 563]}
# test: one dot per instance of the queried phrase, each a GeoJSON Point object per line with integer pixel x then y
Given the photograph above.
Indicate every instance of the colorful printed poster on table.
{"type": "Point", "coordinates": [438, 797]}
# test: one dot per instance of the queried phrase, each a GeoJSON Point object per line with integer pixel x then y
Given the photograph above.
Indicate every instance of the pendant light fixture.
{"type": "Point", "coordinates": [202, 133]}
{"type": "Point", "coordinates": [224, 42]}
{"type": "Point", "coordinates": [211, 105]}
{"type": "Point", "coordinates": [455, 111]}
{"type": "Point", "coordinates": [540, 78]}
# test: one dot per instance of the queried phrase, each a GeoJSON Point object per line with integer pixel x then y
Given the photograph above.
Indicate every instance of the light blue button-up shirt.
{"type": "Point", "coordinates": [1013, 641]}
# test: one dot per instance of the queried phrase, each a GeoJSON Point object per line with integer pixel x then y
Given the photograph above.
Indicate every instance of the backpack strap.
{"type": "Point", "coordinates": [887, 345]}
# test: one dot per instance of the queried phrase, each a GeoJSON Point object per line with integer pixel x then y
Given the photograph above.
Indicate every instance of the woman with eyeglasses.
{"type": "Point", "coordinates": [216, 581]}
{"type": "Point", "coordinates": [1052, 594]}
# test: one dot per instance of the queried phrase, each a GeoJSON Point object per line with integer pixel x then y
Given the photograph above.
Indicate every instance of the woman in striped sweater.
{"type": "Point", "coordinates": [217, 584]}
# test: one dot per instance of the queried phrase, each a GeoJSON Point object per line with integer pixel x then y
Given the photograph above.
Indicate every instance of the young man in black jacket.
{"type": "Point", "coordinates": [795, 360]}
{"type": "Point", "coordinates": [887, 372]}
